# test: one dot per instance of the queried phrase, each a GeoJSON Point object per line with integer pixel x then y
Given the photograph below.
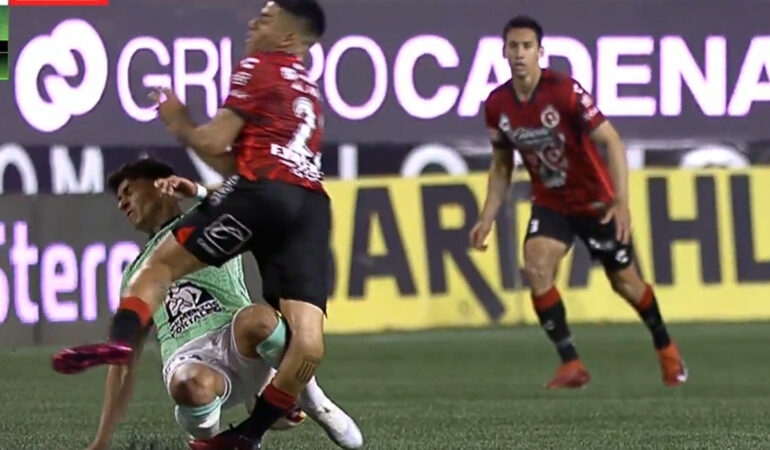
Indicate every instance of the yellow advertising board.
{"type": "Point", "coordinates": [402, 262]}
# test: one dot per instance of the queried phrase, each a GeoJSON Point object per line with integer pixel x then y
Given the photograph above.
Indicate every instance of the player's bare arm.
{"type": "Point", "coordinates": [210, 139]}
{"type": "Point", "coordinates": [607, 136]}
{"type": "Point", "coordinates": [498, 183]}
{"type": "Point", "coordinates": [118, 390]}
{"type": "Point", "coordinates": [181, 188]}
{"type": "Point", "coordinates": [221, 163]}
{"type": "Point", "coordinates": [214, 137]}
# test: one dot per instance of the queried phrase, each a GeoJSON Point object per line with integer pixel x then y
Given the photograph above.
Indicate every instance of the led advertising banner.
{"type": "Point", "coordinates": [400, 258]}
{"type": "Point", "coordinates": [390, 71]}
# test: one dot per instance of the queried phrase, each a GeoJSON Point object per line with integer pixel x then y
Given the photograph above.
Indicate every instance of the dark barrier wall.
{"type": "Point", "coordinates": [399, 70]}
{"type": "Point", "coordinates": [400, 256]}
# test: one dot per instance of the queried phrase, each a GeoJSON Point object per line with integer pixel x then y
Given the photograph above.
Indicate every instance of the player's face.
{"type": "Point", "coordinates": [140, 201]}
{"type": "Point", "coordinates": [270, 31]}
{"type": "Point", "coordinates": [522, 51]}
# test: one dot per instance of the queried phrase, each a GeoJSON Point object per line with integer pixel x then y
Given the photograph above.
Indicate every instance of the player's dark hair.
{"type": "Point", "coordinates": [524, 22]}
{"type": "Point", "coordinates": [309, 12]}
{"type": "Point", "coordinates": [143, 169]}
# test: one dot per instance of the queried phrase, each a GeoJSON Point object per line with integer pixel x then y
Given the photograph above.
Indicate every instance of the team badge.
{"type": "Point", "coordinates": [550, 117]}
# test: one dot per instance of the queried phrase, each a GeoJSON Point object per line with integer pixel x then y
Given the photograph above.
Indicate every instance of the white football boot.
{"type": "Point", "coordinates": [340, 427]}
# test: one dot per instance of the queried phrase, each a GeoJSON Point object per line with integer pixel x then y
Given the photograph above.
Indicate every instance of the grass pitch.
{"type": "Point", "coordinates": [469, 389]}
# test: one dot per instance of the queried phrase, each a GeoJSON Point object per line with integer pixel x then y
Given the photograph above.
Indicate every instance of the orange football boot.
{"type": "Point", "coordinates": [671, 366]}
{"type": "Point", "coordinates": [571, 375]}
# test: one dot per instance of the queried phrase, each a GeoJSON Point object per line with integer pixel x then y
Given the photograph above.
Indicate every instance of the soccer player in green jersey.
{"type": "Point", "coordinates": [218, 349]}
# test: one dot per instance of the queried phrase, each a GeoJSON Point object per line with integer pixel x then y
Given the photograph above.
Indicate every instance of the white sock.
{"type": "Point", "coordinates": [312, 397]}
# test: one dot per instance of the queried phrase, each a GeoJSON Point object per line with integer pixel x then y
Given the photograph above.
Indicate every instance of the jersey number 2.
{"type": "Point", "coordinates": [303, 109]}
{"type": "Point", "coordinates": [296, 153]}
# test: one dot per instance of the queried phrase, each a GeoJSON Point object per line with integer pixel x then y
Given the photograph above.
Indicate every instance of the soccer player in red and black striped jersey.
{"type": "Point", "coordinates": [555, 126]}
{"type": "Point", "coordinates": [268, 134]}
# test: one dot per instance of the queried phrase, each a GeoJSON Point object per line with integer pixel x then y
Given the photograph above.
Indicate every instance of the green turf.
{"type": "Point", "coordinates": [453, 390]}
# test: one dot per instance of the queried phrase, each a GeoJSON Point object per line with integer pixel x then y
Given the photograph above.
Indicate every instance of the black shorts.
{"type": "Point", "coordinates": [598, 238]}
{"type": "Point", "coordinates": [286, 227]}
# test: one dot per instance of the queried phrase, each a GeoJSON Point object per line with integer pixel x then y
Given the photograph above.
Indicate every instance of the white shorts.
{"type": "Point", "coordinates": [244, 377]}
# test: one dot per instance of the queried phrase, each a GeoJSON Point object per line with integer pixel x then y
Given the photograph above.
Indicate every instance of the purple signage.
{"type": "Point", "coordinates": [82, 77]}
{"type": "Point", "coordinates": [68, 277]}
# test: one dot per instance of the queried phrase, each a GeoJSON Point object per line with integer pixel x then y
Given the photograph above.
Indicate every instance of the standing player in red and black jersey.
{"type": "Point", "coordinates": [556, 127]}
{"type": "Point", "coordinates": [274, 206]}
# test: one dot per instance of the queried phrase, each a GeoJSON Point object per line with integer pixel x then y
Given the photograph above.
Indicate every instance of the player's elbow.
{"type": "Point", "coordinates": [210, 144]}
{"type": "Point", "coordinates": [208, 141]}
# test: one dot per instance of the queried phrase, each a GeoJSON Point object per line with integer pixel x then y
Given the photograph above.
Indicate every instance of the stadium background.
{"type": "Point", "coordinates": [405, 156]}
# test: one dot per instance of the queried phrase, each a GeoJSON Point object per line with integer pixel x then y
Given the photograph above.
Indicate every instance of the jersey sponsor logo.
{"type": "Point", "coordinates": [223, 191]}
{"type": "Point", "coordinates": [186, 304]}
{"type": "Point", "coordinates": [227, 235]}
{"type": "Point", "coordinates": [543, 151]}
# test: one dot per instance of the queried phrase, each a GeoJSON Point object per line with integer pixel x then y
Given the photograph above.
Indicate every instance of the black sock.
{"type": "Point", "coordinates": [650, 313]}
{"type": "Point", "coordinates": [132, 317]}
{"type": "Point", "coordinates": [126, 326]}
{"type": "Point", "coordinates": [271, 406]}
{"type": "Point", "coordinates": [553, 319]}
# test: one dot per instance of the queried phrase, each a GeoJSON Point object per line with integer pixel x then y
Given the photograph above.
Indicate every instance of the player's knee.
{"type": "Point", "coordinates": [194, 385]}
{"type": "Point", "coordinates": [305, 322]}
{"type": "Point", "coordinates": [539, 272]}
{"type": "Point", "coordinates": [308, 341]}
{"type": "Point", "coordinates": [258, 321]}
{"type": "Point", "coordinates": [541, 256]}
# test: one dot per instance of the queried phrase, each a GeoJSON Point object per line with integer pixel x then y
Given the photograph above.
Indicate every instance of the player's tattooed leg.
{"type": "Point", "coordinates": [307, 369]}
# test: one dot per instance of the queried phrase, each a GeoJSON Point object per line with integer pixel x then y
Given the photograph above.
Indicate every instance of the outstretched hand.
{"type": "Point", "coordinates": [171, 111]}
{"type": "Point", "coordinates": [479, 234]}
{"type": "Point", "coordinates": [177, 187]}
